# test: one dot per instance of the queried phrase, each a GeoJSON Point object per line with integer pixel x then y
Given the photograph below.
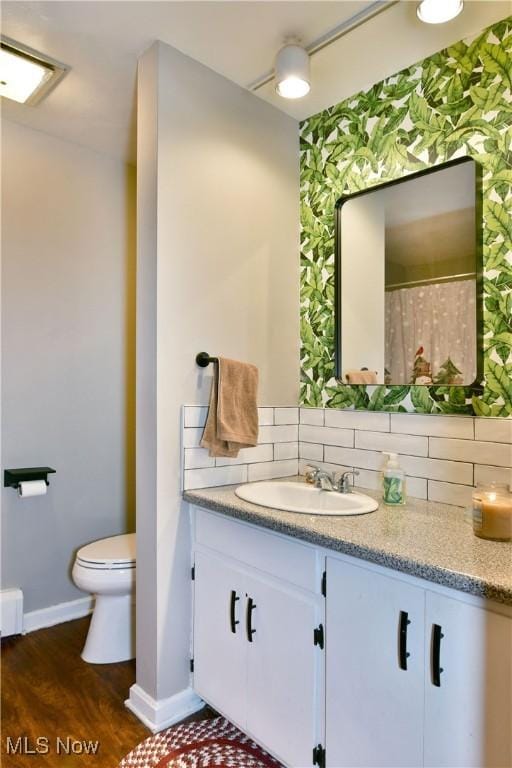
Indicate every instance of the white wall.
{"type": "Point", "coordinates": [217, 271]}
{"type": "Point", "coordinates": [363, 241]}
{"type": "Point", "coordinates": [68, 290]}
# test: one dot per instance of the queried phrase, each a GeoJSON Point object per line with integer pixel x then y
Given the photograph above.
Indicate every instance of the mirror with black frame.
{"type": "Point", "coordinates": [408, 280]}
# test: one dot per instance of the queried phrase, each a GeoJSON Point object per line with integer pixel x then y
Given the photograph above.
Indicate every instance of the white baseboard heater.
{"type": "Point", "coordinates": [11, 612]}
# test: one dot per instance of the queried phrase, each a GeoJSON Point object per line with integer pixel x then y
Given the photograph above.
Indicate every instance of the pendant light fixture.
{"type": "Point", "coordinates": [438, 11]}
{"type": "Point", "coordinates": [292, 72]}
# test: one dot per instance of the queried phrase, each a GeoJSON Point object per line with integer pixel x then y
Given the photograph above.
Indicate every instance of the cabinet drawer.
{"type": "Point", "coordinates": [279, 557]}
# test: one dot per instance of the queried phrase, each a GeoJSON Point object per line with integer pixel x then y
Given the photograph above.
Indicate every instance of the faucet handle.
{"type": "Point", "coordinates": [311, 473]}
{"type": "Point", "coordinates": [343, 481]}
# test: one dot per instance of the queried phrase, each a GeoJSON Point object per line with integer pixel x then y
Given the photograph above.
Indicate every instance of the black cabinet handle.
{"type": "Point", "coordinates": [403, 655]}
{"type": "Point", "coordinates": [251, 605]}
{"type": "Point", "coordinates": [437, 636]}
{"type": "Point", "coordinates": [232, 617]}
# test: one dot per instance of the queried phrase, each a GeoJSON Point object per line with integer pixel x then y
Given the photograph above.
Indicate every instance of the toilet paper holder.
{"type": "Point", "coordinates": [13, 477]}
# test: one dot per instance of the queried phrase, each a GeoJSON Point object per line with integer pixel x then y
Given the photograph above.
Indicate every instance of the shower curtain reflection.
{"type": "Point", "coordinates": [431, 334]}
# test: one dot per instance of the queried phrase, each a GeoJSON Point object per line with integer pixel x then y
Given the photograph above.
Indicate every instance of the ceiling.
{"type": "Point", "coordinates": [95, 104]}
{"type": "Point", "coordinates": [431, 194]}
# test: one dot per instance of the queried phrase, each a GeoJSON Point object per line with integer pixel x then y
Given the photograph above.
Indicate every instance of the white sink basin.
{"type": "Point", "coordinates": [301, 497]}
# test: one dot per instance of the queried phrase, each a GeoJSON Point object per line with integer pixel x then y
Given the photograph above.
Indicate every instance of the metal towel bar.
{"type": "Point", "coordinates": [203, 359]}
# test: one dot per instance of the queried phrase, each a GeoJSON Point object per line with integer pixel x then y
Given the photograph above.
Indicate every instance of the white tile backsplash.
{"type": "Point", "coordinates": [263, 452]}
{"type": "Point", "coordinates": [494, 430]}
{"type": "Point", "coordinates": [265, 416]}
{"type": "Point", "coordinates": [192, 437]}
{"type": "Point", "coordinates": [286, 451]}
{"type": "Point", "coordinates": [475, 451]}
{"type": "Point", "coordinates": [437, 469]}
{"type": "Point", "coordinates": [415, 466]}
{"type": "Point", "coordinates": [450, 493]}
{"type": "Point", "coordinates": [417, 487]}
{"type": "Point", "coordinates": [279, 434]}
{"type": "Point", "coordinates": [442, 456]}
{"type": "Point", "coordinates": [311, 451]}
{"type": "Point", "coordinates": [326, 435]}
{"type": "Point", "coordinates": [272, 469]}
{"type": "Point", "coordinates": [412, 445]}
{"type": "Point", "coordinates": [213, 476]}
{"type": "Point", "coordinates": [487, 474]}
{"type": "Point", "coordinates": [197, 458]}
{"type": "Point", "coordinates": [303, 463]}
{"type": "Point", "coordinates": [352, 420]}
{"type": "Point", "coordinates": [353, 457]}
{"type": "Point", "coordinates": [431, 425]}
{"type": "Point", "coordinates": [276, 454]}
{"type": "Point", "coordinates": [313, 416]}
{"type": "Point", "coordinates": [286, 415]}
{"type": "Point", "coordinates": [367, 478]}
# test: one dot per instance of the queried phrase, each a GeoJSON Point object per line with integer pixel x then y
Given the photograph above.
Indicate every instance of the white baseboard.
{"type": "Point", "coordinates": [57, 614]}
{"type": "Point", "coordinates": [157, 715]}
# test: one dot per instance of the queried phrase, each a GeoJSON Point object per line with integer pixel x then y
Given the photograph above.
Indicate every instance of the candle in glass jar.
{"type": "Point", "coordinates": [492, 513]}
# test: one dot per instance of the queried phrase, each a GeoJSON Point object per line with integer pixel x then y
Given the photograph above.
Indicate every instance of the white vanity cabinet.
{"type": "Point", "coordinates": [283, 670]}
{"type": "Point", "coordinates": [374, 669]}
{"type": "Point", "coordinates": [380, 670]}
{"type": "Point", "coordinates": [220, 648]}
{"type": "Point", "coordinates": [256, 609]}
{"type": "Point", "coordinates": [468, 716]}
{"type": "Point", "coordinates": [435, 692]}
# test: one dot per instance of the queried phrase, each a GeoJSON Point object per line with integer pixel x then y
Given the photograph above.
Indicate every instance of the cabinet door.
{"type": "Point", "coordinates": [220, 648]}
{"type": "Point", "coordinates": [468, 709]}
{"type": "Point", "coordinates": [284, 670]}
{"type": "Point", "coordinates": [374, 707]}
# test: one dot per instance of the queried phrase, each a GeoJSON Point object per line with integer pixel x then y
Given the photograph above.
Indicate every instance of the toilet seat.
{"type": "Point", "coordinates": [112, 554]}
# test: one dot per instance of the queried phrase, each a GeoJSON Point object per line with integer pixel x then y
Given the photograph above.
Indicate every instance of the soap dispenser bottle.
{"type": "Point", "coordinates": [393, 481]}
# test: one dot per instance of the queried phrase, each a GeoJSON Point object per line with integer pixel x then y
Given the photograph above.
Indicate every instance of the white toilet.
{"type": "Point", "coordinates": [107, 568]}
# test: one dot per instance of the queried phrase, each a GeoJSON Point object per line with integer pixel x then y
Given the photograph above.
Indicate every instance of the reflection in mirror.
{"type": "Point", "coordinates": [408, 275]}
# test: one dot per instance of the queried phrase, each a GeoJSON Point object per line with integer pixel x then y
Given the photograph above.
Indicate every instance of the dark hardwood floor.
{"type": "Point", "coordinates": [49, 692]}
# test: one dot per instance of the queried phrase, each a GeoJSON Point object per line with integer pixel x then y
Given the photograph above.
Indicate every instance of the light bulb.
{"type": "Point", "coordinates": [292, 72]}
{"type": "Point", "coordinates": [438, 11]}
{"type": "Point", "coordinates": [293, 87]}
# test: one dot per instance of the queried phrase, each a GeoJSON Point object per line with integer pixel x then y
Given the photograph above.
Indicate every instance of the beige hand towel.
{"type": "Point", "coordinates": [232, 421]}
{"type": "Point", "coordinates": [361, 377]}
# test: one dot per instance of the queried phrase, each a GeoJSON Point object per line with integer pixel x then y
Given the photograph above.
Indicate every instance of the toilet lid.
{"type": "Point", "coordinates": [116, 551]}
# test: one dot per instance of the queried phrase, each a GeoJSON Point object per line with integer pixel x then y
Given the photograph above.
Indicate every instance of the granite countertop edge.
{"type": "Point", "coordinates": [223, 500]}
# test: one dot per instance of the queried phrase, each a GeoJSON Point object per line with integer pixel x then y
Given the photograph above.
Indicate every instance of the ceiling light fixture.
{"type": "Point", "coordinates": [438, 11]}
{"type": "Point", "coordinates": [26, 76]}
{"type": "Point", "coordinates": [332, 36]}
{"type": "Point", "coordinates": [292, 72]}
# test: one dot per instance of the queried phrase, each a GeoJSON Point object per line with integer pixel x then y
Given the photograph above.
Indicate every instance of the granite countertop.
{"type": "Point", "coordinates": [425, 539]}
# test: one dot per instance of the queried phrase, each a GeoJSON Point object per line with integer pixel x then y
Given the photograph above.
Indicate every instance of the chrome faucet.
{"type": "Point", "coordinates": [343, 482]}
{"type": "Point", "coordinates": [324, 480]}
{"type": "Point", "coordinates": [330, 482]}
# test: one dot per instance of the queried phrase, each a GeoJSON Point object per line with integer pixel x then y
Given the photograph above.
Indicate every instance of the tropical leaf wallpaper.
{"type": "Point", "coordinates": [453, 104]}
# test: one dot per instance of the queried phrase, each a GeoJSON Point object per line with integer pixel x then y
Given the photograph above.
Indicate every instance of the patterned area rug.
{"type": "Point", "coordinates": [200, 744]}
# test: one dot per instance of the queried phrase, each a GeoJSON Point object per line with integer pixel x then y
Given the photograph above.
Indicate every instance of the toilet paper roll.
{"type": "Point", "coordinates": [32, 488]}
